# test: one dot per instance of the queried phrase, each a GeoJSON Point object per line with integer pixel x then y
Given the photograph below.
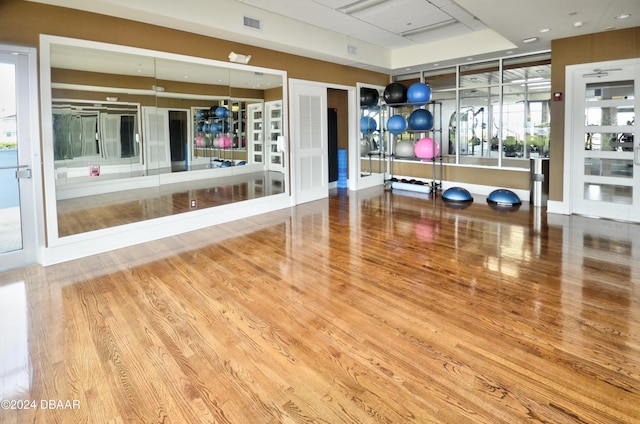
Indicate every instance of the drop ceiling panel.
{"type": "Point", "coordinates": [402, 15]}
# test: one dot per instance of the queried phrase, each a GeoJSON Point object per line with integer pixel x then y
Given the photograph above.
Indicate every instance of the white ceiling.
{"type": "Point", "coordinates": [387, 35]}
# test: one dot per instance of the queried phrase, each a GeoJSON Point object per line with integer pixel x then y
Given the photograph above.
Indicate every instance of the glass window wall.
{"type": "Point", "coordinates": [494, 113]}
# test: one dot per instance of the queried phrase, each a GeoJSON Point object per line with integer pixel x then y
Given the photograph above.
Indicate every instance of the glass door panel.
{"type": "Point", "coordinates": [17, 219]}
{"type": "Point", "coordinates": [606, 170]}
{"type": "Point", "coordinates": [10, 219]}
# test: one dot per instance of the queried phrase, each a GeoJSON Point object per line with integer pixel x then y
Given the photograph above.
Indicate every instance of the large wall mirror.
{"type": "Point", "coordinates": [137, 134]}
{"type": "Point", "coordinates": [373, 145]}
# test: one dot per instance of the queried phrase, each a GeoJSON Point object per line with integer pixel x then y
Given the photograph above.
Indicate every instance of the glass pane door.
{"type": "Point", "coordinates": [10, 219]}
{"type": "Point", "coordinates": [17, 199]}
{"type": "Point", "coordinates": [606, 165]}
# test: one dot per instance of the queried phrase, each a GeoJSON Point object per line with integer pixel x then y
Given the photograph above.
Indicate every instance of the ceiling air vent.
{"type": "Point", "coordinates": [353, 50]}
{"type": "Point", "coordinates": [252, 23]}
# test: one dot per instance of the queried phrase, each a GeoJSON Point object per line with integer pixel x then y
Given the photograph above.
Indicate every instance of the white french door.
{"type": "Point", "coordinates": [309, 141]}
{"type": "Point", "coordinates": [156, 141]}
{"type": "Point", "coordinates": [604, 151]}
{"type": "Point", "coordinates": [18, 139]}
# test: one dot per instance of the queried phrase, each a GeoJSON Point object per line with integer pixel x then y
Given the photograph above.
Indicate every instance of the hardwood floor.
{"type": "Point", "coordinates": [361, 308]}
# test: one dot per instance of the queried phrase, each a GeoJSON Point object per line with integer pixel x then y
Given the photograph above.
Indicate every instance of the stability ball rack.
{"type": "Point", "coordinates": [436, 181]}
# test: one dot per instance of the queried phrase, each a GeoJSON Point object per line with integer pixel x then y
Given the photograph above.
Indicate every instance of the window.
{"type": "Point", "coordinates": [494, 113]}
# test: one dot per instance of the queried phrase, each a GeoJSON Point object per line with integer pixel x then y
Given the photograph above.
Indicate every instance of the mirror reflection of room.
{"type": "Point", "coordinates": [137, 137]}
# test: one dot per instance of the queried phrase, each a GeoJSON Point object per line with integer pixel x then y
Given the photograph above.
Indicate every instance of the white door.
{"type": "Point", "coordinates": [18, 136]}
{"type": "Point", "coordinates": [156, 139]}
{"type": "Point", "coordinates": [276, 154]}
{"type": "Point", "coordinates": [605, 152]}
{"type": "Point", "coordinates": [309, 141]}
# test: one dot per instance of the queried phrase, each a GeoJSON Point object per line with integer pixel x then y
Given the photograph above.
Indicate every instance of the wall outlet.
{"type": "Point", "coordinates": [193, 203]}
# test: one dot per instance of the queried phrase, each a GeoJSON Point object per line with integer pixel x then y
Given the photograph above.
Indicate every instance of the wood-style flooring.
{"type": "Point", "coordinates": [368, 307]}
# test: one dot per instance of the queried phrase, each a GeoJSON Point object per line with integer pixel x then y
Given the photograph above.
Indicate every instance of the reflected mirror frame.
{"type": "Point", "coordinates": [46, 103]}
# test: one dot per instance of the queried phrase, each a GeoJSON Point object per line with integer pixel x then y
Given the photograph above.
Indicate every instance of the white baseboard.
{"type": "Point", "coordinates": [555, 207]}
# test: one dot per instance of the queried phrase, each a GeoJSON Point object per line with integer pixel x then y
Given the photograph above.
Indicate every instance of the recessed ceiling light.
{"type": "Point", "coordinates": [530, 40]}
{"type": "Point", "coordinates": [543, 30]}
{"type": "Point", "coordinates": [623, 16]}
{"type": "Point", "coordinates": [578, 24]}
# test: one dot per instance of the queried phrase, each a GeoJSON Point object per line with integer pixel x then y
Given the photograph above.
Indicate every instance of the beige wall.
{"type": "Point", "coordinates": [22, 22]}
{"type": "Point", "coordinates": [611, 45]}
{"type": "Point", "coordinates": [339, 100]}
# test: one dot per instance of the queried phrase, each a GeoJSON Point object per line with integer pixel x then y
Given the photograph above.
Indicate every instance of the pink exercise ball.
{"type": "Point", "coordinates": [199, 140]}
{"type": "Point", "coordinates": [427, 148]}
{"type": "Point", "coordinates": [224, 142]}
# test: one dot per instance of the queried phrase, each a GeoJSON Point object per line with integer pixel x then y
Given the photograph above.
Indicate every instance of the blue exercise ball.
{"type": "Point", "coordinates": [419, 93]}
{"type": "Point", "coordinates": [221, 112]}
{"type": "Point", "coordinates": [421, 120]}
{"type": "Point", "coordinates": [457, 194]}
{"type": "Point", "coordinates": [396, 124]}
{"type": "Point", "coordinates": [504, 198]}
{"type": "Point", "coordinates": [395, 93]}
{"type": "Point", "coordinates": [368, 125]}
{"type": "Point", "coordinates": [220, 127]}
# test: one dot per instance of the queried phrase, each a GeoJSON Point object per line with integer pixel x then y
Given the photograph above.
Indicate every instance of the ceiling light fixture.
{"type": "Point", "coordinates": [239, 58]}
{"type": "Point", "coordinates": [543, 30]}
{"type": "Point", "coordinates": [578, 24]}
{"type": "Point", "coordinates": [623, 16]}
{"type": "Point", "coordinates": [530, 40]}
{"type": "Point", "coordinates": [429, 28]}
{"type": "Point", "coordinates": [360, 5]}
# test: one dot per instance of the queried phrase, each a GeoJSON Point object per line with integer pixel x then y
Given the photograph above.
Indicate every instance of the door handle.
{"type": "Point", "coordinates": [23, 172]}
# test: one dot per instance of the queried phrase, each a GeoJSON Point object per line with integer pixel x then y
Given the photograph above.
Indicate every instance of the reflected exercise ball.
{"type": "Point", "coordinates": [368, 97]}
{"type": "Point", "coordinates": [395, 93]}
{"type": "Point", "coordinates": [224, 142]}
{"type": "Point", "coordinates": [365, 147]}
{"type": "Point", "coordinates": [421, 120]}
{"type": "Point", "coordinates": [221, 112]}
{"type": "Point", "coordinates": [396, 124]}
{"type": "Point", "coordinates": [368, 125]}
{"type": "Point", "coordinates": [427, 148]}
{"type": "Point", "coordinates": [419, 93]}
